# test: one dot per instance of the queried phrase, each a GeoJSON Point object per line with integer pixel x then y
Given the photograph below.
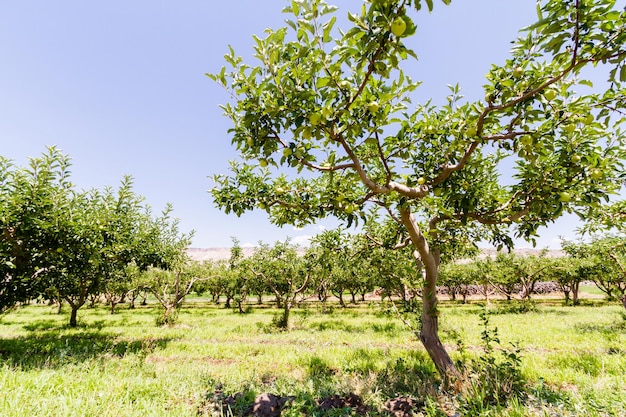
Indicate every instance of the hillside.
{"type": "Point", "coordinates": [216, 254]}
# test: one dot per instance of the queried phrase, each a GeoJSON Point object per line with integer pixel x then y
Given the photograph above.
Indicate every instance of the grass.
{"type": "Point", "coordinates": [573, 359]}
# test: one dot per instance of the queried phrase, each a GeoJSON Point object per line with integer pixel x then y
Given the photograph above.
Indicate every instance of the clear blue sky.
{"type": "Point", "coordinates": [119, 85]}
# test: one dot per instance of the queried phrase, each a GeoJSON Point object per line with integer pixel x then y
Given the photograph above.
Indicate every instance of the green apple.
{"type": "Point", "coordinates": [526, 140]}
{"type": "Point", "coordinates": [398, 26]}
{"type": "Point", "coordinates": [421, 180]}
{"type": "Point", "coordinates": [588, 119]}
{"type": "Point", "coordinates": [315, 119]}
{"type": "Point", "coordinates": [287, 152]}
{"type": "Point", "coordinates": [470, 132]}
{"type": "Point", "coordinates": [280, 190]}
{"type": "Point", "coordinates": [565, 197]}
{"type": "Point", "coordinates": [437, 192]}
{"type": "Point", "coordinates": [575, 159]}
{"type": "Point", "coordinates": [518, 72]}
{"type": "Point", "coordinates": [597, 174]}
{"type": "Point", "coordinates": [569, 128]}
{"type": "Point", "coordinates": [549, 95]}
{"type": "Point", "coordinates": [263, 162]}
{"type": "Point", "coordinates": [350, 208]}
{"type": "Point", "coordinates": [373, 106]}
{"type": "Point", "coordinates": [250, 142]}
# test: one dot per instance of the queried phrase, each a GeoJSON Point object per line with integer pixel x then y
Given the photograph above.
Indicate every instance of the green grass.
{"type": "Point", "coordinates": [573, 359]}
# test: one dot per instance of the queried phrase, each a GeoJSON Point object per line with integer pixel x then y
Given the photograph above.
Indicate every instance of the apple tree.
{"type": "Point", "coordinates": [30, 199]}
{"type": "Point", "coordinates": [283, 271]}
{"type": "Point", "coordinates": [324, 125]}
{"type": "Point", "coordinates": [603, 260]}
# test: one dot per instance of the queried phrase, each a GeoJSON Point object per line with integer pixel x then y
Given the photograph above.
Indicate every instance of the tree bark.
{"type": "Point", "coordinates": [73, 316]}
{"type": "Point", "coordinates": [429, 334]}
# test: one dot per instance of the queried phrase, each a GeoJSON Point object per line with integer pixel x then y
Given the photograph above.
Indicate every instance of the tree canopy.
{"type": "Point", "coordinates": [325, 125]}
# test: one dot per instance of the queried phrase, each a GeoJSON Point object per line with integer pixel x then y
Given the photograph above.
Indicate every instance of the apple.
{"type": "Point", "coordinates": [518, 72]}
{"type": "Point", "coordinates": [262, 206]}
{"type": "Point", "coordinates": [588, 119]}
{"type": "Point", "coordinates": [250, 141]}
{"type": "Point", "coordinates": [287, 152]}
{"type": "Point", "coordinates": [315, 119]}
{"type": "Point", "coordinates": [470, 132]}
{"type": "Point", "coordinates": [575, 159]}
{"type": "Point", "coordinates": [350, 208]}
{"type": "Point", "coordinates": [263, 162]}
{"type": "Point", "coordinates": [373, 106]}
{"type": "Point", "coordinates": [549, 95]}
{"type": "Point", "coordinates": [526, 140]}
{"type": "Point", "coordinates": [398, 26]}
{"type": "Point", "coordinates": [597, 174]}
{"type": "Point", "coordinates": [437, 192]}
{"type": "Point", "coordinates": [569, 128]}
{"type": "Point", "coordinates": [565, 197]}
{"type": "Point", "coordinates": [421, 180]}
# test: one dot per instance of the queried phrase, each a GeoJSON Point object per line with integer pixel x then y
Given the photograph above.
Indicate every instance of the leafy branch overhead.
{"type": "Point", "coordinates": [337, 104]}
{"type": "Point", "coordinates": [325, 126]}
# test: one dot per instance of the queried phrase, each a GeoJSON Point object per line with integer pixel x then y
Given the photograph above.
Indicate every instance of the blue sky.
{"type": "Point", "coordinates": [120, 87]}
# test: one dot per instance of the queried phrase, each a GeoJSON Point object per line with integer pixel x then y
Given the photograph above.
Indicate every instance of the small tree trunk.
{"type": "Point", "coordinates": [285, 319]}
{"type": "Point", "coordinates": [169, 315]}
{"type": "Point", "coordinates": [624, 300]}
{"type": "Point", "coordinates": [575, 299]}
{"type": "Point", "coordinates": [260, 298]}
{"type": "Point", "coordinates": [74, 315]}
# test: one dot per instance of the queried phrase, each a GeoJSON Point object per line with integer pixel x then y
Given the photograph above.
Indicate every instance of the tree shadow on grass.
{"type": "Point", "coordinates": [52, 349]}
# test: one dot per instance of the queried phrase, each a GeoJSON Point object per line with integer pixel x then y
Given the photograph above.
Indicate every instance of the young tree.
{"type": "Point", "coordinates": [602, 260]}
{"type": "Point", "coordinates": [30, 198]}
{"type": "Point", "coordinates": [170, 276]}
{"type": "Point", "coordinates": [282, 270]}
{"type": "Point", "coordinates": [334, 106]}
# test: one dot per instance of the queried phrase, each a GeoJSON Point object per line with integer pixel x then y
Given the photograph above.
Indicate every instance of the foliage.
{"type": "Point", "coordinates": [495, 377]}
{"type": "Point", "coordinates": [324, 127]}
{"type": "Point", "coordinates": [602, 260]}
{"type": "Point", "coordinates": [283, 272]}
{"type": "Point", "coordinates": [68, 244]}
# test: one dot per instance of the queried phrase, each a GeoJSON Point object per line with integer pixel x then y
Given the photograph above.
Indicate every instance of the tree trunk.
{"type": "Point", "coordinates": [429, 334]}
{"type": "Point", "coordinates": [340, 296]}
{"type": "Point", "coordinates": [486, 289]}
{"type": "Point", "coordinates": [624, 300]}
{"type": "Point", "coordinates": [73, 315]}
{"type": "Point", "coordinates": [575, 299]}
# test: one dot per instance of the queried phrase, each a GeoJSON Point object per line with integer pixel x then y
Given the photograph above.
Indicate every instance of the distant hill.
{"type": "Point", "coordinates": [216, 254]}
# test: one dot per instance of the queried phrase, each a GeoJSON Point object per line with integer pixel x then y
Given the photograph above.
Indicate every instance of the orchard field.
{"type": "Point", "coordinates": [333, 361]}
{"type": "Point", "coordinates": [396, 311]}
